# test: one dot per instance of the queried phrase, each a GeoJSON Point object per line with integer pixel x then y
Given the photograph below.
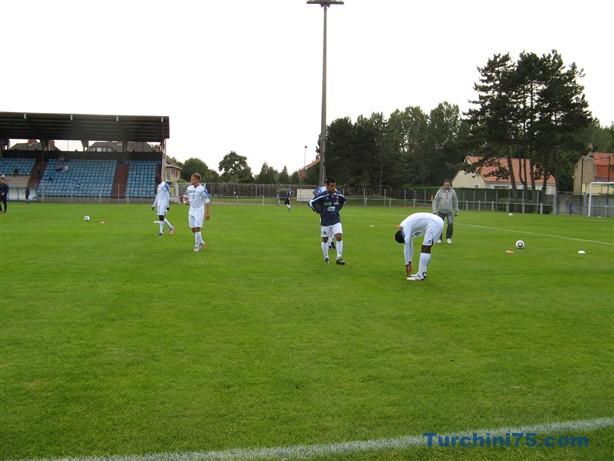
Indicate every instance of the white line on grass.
{"type": "Point", "coordinates": [536, 233]}
{"type": "Point", "coordinates": [344, 448]}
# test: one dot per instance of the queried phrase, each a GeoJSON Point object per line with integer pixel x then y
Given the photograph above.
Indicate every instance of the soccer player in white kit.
{"type": "Point", "coordinates": [162, 202]}
{"type": "Point", "coordinates": [197, 196]}
{"type": "Point", "coordinates": [413, 226]}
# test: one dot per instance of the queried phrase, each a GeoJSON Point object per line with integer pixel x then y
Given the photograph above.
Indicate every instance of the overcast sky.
{"type": "Point", "coordinates": [245, 75]}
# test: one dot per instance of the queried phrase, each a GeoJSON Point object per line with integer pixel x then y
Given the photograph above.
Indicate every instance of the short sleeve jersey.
{"type": "Point", "coordinates": [162, 195]}
{"type": "Point", "coordinates": [199, 197]}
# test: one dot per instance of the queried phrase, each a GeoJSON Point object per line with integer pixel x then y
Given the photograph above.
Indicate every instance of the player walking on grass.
{"type": "Point", "coordinates": [316, 191]}
{"type": "Point", "coordinates": [288, 201]}
{"type": "Point", "coordinates": [163, 203]}
{"type": "Point", "coordinates": [328, 204]}
{"type": "Point", "coordinates": [197, 196]}
{"type": "Point", "coordinates": [413, 226]}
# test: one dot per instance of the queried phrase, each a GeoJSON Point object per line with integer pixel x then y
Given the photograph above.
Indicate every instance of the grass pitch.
{"type": "Point", "coordinates": [117, 341]}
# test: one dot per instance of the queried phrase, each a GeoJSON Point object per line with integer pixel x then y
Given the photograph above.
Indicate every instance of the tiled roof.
{"type": "Point", "coordinates": [488, 172]}
{"type": "Point", "coordinates": [604, 163]}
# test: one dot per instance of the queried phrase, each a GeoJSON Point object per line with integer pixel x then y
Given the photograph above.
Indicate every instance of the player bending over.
{"type": "Point", "coordinates": [413, 226]}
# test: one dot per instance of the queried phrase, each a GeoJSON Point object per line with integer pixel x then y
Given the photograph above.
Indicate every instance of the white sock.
{"type": "Point", "coordinates": [339, 249]}
{"type": "Point", "coordinates": [198, 238]}
{"type": "Point", "coordinates": [168, 223]}
{"type": "Point", "coordinates": [424, 262]}
{"type": "Point", "coordinates": [325, 249]}
{"type": "Point", "coordinates": [161, 226]}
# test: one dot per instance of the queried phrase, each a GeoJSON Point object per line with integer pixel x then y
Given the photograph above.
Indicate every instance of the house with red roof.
{"type": "Point", "coordinates": [490, 177]}
{"type": "Point", "coordinates": [595, 166]}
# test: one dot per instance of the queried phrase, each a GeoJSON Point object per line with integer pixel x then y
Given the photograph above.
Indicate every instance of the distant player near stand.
{"type": "Point", "coordinates": [328, 204]}
{"type": "Point", "coordinates": [4, 194]}
{"type": "Point", "coordinates": [162, 202]}
{"type": "Point", "coordinates": [413, 226]}
{"type": "Point", "coordinates": [197, 196]}
{"type": "Point", "coordinates": [288, 201]}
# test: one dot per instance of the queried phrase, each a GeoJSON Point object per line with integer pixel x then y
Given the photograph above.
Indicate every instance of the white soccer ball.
{"type": "Point", "coordinates": [520, 244]}
{"type": "Point", "coordinates": [86, 218]}
{"type": "Point", "coordinates": [510, 214]}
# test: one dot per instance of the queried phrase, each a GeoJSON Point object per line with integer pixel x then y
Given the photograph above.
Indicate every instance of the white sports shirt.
{"type": "Point", "coordinates": [427, 224]}
{"type": "Point", "coordinates": [199, 197]}
{"type": "Point", "coordinates": [162, 196]}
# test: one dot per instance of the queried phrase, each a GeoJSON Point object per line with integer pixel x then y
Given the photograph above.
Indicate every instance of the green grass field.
{"type": "Point", "coordinates": [116, 341]}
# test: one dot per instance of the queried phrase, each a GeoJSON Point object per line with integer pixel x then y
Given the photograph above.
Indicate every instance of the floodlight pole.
{"type": "Point", "coordinates": [324, 4]}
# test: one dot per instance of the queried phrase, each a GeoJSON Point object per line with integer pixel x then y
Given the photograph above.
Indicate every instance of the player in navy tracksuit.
{"type": "Point", "coordinates": [328, 204]}
{"type": "Point", "coordinates": [4, 193]}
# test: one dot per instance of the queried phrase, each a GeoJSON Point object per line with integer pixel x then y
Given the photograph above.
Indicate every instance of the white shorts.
{"type": "Point", "coordinates": [195, 219]}
{"type": "Point", "coordinates": [161, 210]}
{"type": "Point", "coordinates": [433, 232]}
{"type": "Point", "coordinates": [328, 231]}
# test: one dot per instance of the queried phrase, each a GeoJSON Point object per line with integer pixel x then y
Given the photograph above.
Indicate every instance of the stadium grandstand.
{"type": "Point", "coordinates": [118, 160]}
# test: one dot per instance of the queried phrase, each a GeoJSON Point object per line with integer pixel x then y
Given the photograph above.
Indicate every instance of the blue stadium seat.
{"type": "Point", "coordinates": [141, 178]}
{"type": "Point", "coordinates": [23, 166]}
{"type": "Point", "coordinates": [85, 178]}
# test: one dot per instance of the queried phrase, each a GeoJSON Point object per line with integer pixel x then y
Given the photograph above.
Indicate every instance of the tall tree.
{"type": "Point", "coordinates": [195, 165]}
{"type": "Point", "coordinates": [339, 150]}
{"type": "Point", "coordinates": [364, 149]}
{"type": "Point", "coordinates": [492, 123]}
{"type": "Point", "coordinates": [526, 85]}
{"type": "Point", "coordinates": [409, 131]}
{"type": "Point", "coordinates": [267, 175]}
{"type": "Point", "coordinates": [442, 141]}
{"type": "Point", "coordinates": [234, 169]}
{"type": "Point", "coordinates": [601, 138]}
{"type": "Point", "coordinates": [534, 110]}
{"type": "Point", "coordinates": [563, 119]}
{"type": "Point", "coordinates": [284, 177]}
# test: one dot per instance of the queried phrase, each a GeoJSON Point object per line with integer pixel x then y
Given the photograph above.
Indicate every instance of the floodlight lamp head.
{"type": "Point", "coordinates": [324, 2]}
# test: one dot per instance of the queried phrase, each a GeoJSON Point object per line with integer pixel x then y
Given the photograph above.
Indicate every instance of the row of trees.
{"type": "Point", "coordinates": [533, 108]}
{"type": "Point", "coordinates": [234, 169]}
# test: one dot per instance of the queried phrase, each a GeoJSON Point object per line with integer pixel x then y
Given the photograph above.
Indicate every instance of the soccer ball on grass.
{"type": "Point", "coordinates": [86, 218]}
{"type": "Point", "coordinates": [520, 244]}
